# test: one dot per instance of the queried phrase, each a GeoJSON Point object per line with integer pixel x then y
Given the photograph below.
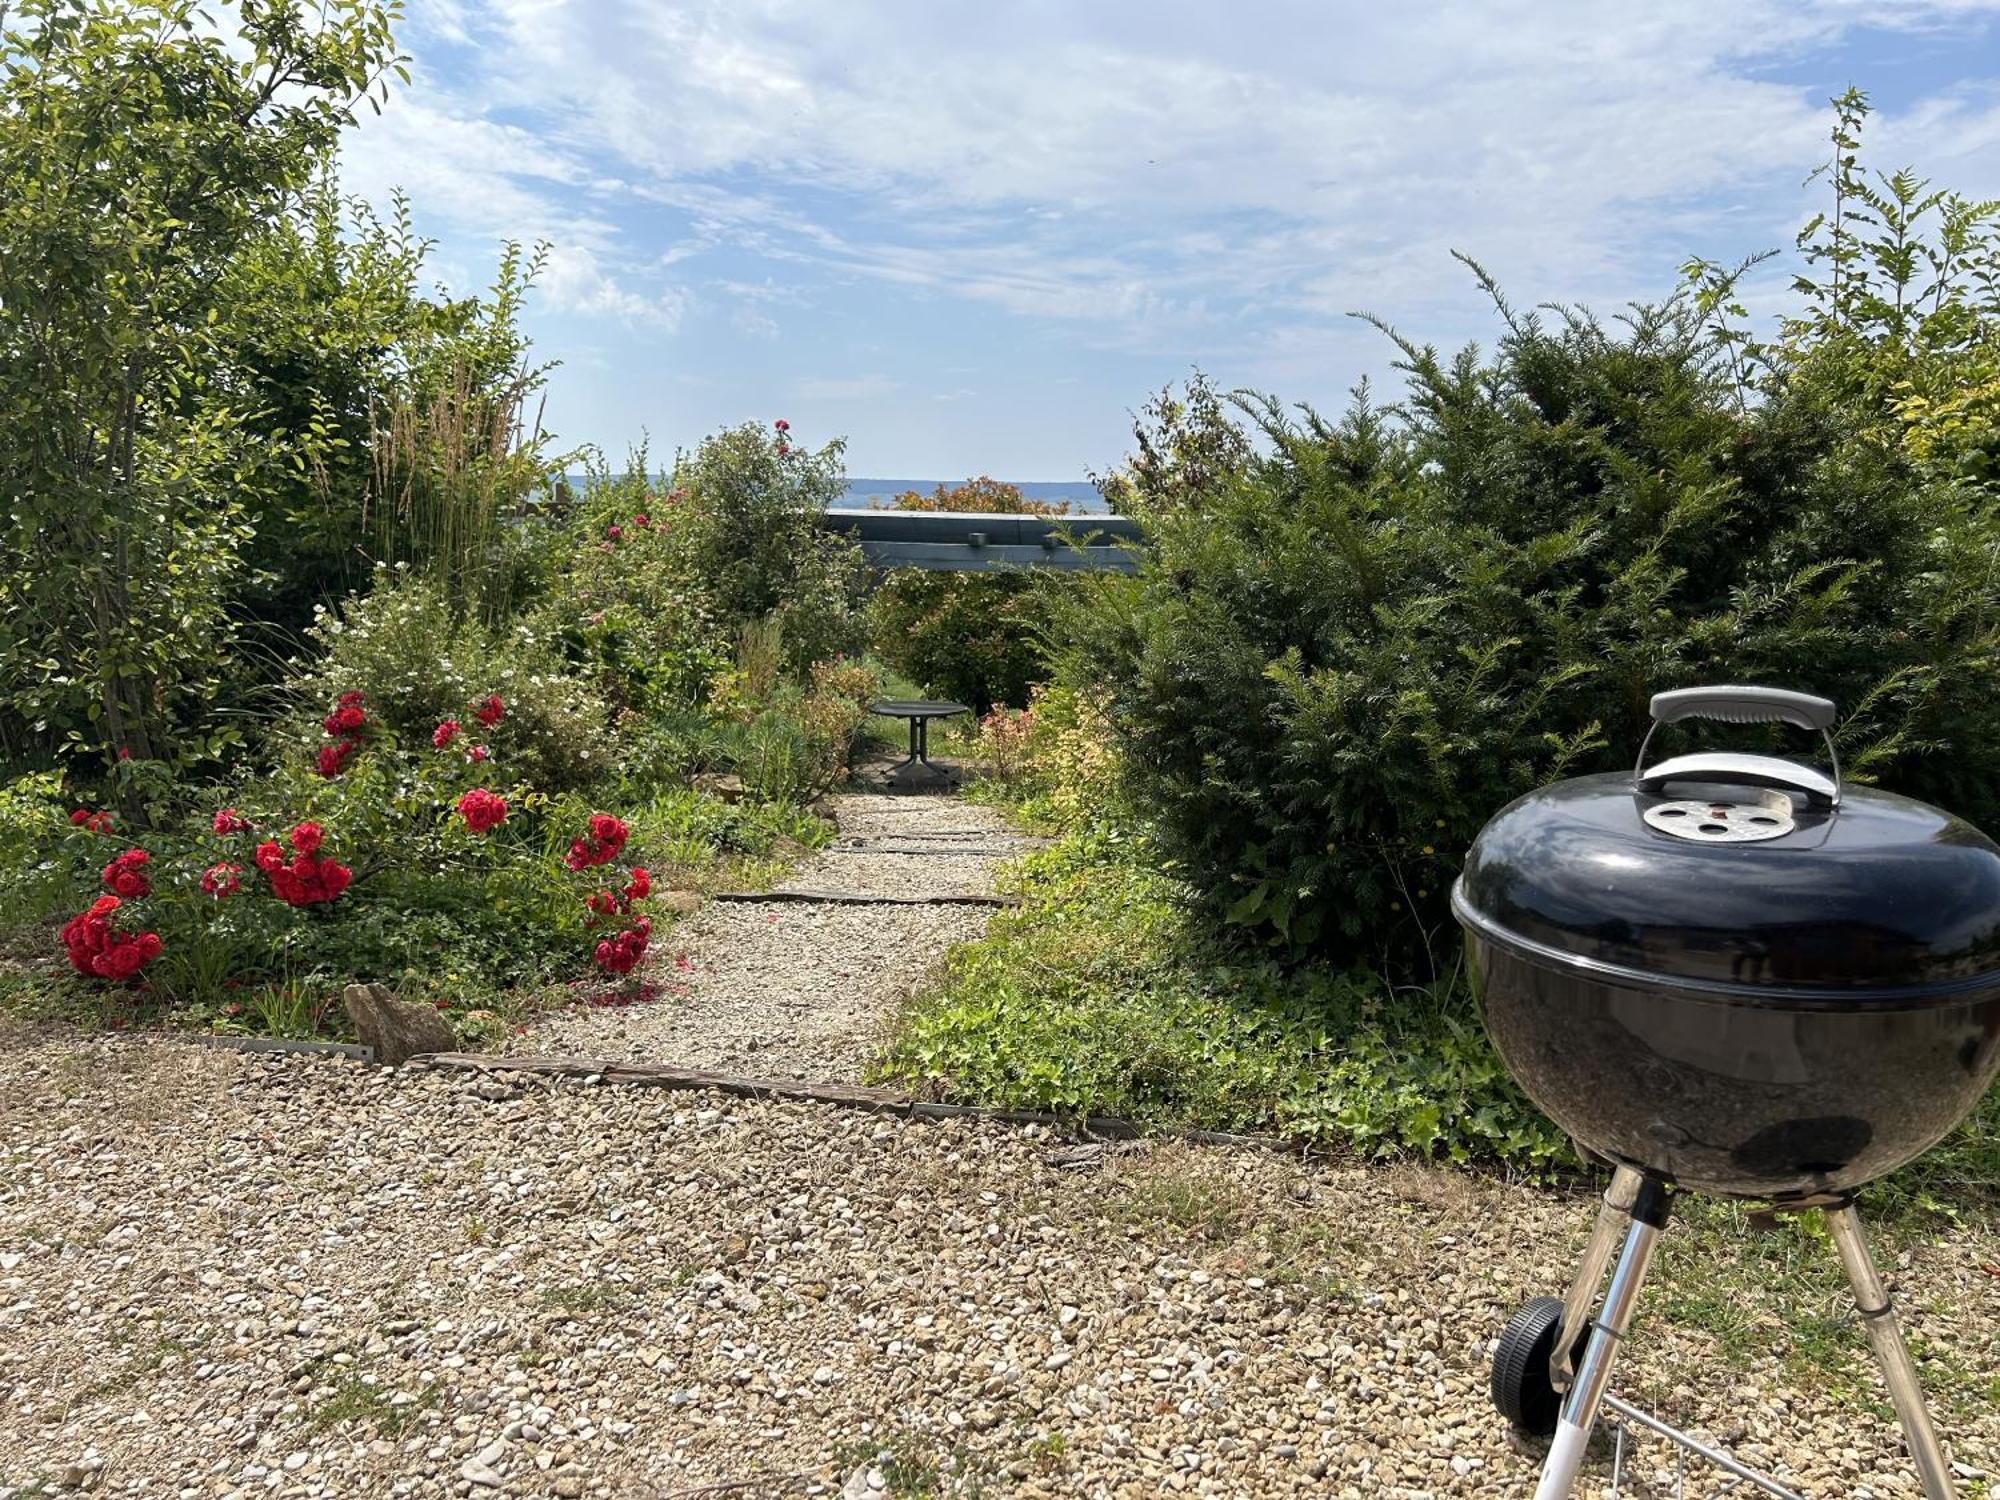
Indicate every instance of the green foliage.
{"type": "Point", "coordinates": [418, 665]}
{"type": "Point", "coordinates": [141, 150]}
{"type": "Point", "coordinates": [35, 885]}
{"type": "Point", "coordinates": [631, 616]}
{"type": "Point", "coordinates": [1341, 659]}
{"type": "Point", "coordinates": [456, 463]}
{"type": "Point", "coordinates": [1105, 994]}
{"type": "Point", "coordinates": [969, 637]}
{"type": "Point", "coordinates": [748, 522]}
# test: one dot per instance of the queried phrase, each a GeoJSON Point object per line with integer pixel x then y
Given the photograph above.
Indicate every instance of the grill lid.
{"type": "Point", "coordinates": [1748, 876]}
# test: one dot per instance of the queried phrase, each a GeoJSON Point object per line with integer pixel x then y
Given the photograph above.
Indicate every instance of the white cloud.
{"type": "Point", "coordinates": [1135, 166]}
{"type": "Point", "coordinates": [573, 281]}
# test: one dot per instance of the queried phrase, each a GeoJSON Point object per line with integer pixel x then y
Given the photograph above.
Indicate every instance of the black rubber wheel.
{"type": "Point", "coordinates": [1521, 1387]}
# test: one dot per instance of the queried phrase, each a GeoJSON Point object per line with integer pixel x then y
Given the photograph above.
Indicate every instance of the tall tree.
{"type": "Point", "coordinates": [142, 147]}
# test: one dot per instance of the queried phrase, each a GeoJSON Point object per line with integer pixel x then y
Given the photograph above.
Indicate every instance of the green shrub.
{"type": "Point", "coordinates": [746, 523]}
{"type": "Point", "coordinates": [970, 637]}
{"type": "Point", "coordinates": [624, 603]}
{"type": "Point", "coordinates": [1344, 655]}
{"type": "Point", "coordinates": [400, 646]}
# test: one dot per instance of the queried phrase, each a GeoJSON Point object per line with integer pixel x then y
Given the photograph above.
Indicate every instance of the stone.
{"type": "Point", "coordinates": [396, 1029]}
{"type": "Point", "coordinates": [680, 903]}
{"type": "Point", "coordinates": [724, 788]}
{"type": "Point", "coordinates": [475, 1472]}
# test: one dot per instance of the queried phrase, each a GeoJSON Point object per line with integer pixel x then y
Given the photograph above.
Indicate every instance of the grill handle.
{"type": "Point", "coordinates": [1744, 705]}
{"type": "Point", "coordinates": [1730, 704]}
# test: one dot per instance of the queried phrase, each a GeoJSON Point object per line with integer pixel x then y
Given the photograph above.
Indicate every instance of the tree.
{"type": "Point", "coordinates": [140, 152]}
{"type": "Point", "coordinates": [968, 636]}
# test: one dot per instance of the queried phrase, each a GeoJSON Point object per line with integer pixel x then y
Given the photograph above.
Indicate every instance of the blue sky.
{"type": "Point", "coordinates": [972, 238]}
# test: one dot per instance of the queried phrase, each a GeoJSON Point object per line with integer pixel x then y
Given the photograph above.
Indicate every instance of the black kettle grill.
{"type": "Point", "coordinates": [1732, 974]}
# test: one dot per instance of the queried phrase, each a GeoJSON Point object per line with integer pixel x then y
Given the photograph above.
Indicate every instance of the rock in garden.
{"type": "Point", "coordinates": [396, 1029]}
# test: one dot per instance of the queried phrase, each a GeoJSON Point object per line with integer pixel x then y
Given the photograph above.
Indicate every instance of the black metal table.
{"type": "Point", "coordinates": [916, 769]}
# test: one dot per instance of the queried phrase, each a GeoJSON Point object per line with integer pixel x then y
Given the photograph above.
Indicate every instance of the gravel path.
{"type": "Point", "coordinates": [804, 990]}
{"type": "Point", "coordinates": [232, 1275]}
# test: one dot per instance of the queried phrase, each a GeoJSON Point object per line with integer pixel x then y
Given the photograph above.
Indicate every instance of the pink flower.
{"type": "Point", "coordinates": [613, 532]}
{"type": "Point", "coordinates": [782, 425]}
{"type": "Point", "coordinates": [477, 754]}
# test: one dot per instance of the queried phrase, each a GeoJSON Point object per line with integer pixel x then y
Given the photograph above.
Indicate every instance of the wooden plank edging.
{"type": "Point", "coordinates": [862, 898]}
{"type": "Point", "coordinates": [847, 1095]}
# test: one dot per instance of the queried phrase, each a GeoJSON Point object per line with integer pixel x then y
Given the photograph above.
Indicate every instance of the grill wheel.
{"type": "Point", "coordinates": [1521, 1387]}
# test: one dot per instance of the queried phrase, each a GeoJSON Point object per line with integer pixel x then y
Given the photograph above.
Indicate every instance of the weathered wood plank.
{"type": "Point", "coordinates": [845, 1095]}
{"type": "Point", "coordinates": [862, 898]}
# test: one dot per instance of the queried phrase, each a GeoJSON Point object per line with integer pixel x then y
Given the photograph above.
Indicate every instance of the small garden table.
{"type": "Point", "coordinates": [917, 769]}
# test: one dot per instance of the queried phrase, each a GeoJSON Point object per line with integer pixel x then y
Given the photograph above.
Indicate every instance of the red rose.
{"type": "Point", "coordinates": [476, 754]}
{"type": "Point", "coordinates": [614, 532]}
{"type": "Point", "coordinates": [602, 902]}
{"type": "Point", "coordinates": [641, 886]}
{"type": "Point", "coordinates": [444, 734]}
{"type": "Point", "coordinates": [621, 954]}
{"type": "Point", "coordinates": [782, 425]}
{"type": "Point", "coordinates": [269, 856]}
{"type": "Point", "coordinates": [642, 520]}
{"type": "Point", "coordinates": [306, 837]}
{"type": "Point", "coordinates": [345, 722]}
{"type": "Point", "coordinates": [229, 820]}
{"type": "Point", "coordinates": [222, 880]}
{"type": "Point", "coordinates": [307, 881]}
{"type": "Point", "coordinates": [350, 699]}
{"type": "Point", "coordinates": [482, 810]}
{"type": "Point", "coordinates": [124, 752]}
{"type": "Point", "coordinates": [126, 875]}
{"type": "Point", "coordinates": [79, 817]}
{"type": "Point", "coordinates": [98, 951]}
{"type": "Point", "coordinates": [333, 758]}
{"type": "Point", "coordinates": [600, 846]}
{"type": "Point", "coordinates": [491, 712]}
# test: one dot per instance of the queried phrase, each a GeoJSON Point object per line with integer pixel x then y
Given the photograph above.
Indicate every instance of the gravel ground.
{"type": "Point", "coordinates": [771, 989]}
{"type": "Point", "coordinates": [804, 990]}
{"type": "Point", "coordinates": [232, 1275]}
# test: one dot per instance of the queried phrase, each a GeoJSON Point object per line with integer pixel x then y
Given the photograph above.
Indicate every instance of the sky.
{"type": "Point", "coordinates": [974, 238]}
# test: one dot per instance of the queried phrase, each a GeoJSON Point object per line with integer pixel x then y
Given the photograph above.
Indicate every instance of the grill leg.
{"type": "Point", "coordinates": [1613, 1215]}
{"type": "Point", "coordinates": [1579, 1413]}
{"type": "Point", "coordinates": [1899, 1371]}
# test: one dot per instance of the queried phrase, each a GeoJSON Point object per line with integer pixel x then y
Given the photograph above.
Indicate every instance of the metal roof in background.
{"type": "Point", "coordinates": [976, 542]}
